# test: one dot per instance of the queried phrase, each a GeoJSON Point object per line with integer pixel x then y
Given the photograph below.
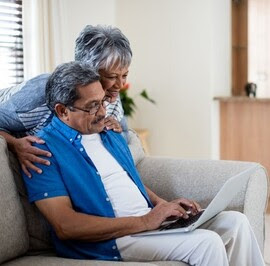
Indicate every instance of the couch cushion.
{"type": "Point", "coordinates": [56, 261]}
{"type": "Point", "coordinates": [37, 226]}
{"type": "Point", "coordinates": [13, 230]}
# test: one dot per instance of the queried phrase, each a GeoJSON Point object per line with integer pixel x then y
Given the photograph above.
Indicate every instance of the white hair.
{"type": "Point", "coordinates": [103, 47]}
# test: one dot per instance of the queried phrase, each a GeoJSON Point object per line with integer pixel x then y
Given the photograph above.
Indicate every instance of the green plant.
{"type": "Point", "coordinates": [128, 103]}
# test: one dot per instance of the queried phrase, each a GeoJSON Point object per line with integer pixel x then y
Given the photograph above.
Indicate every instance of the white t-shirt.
{"type": "Point", "coordinates": [125, 197]}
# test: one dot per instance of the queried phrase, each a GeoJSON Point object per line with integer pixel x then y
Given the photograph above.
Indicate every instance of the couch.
{"type": "Point", "coordinates": [24, 233]}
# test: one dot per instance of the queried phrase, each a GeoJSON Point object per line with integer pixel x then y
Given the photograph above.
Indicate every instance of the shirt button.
{"type": "Point", "coordinates": [70, 139]}
{"type": "Point", "coordinates": [81, 149]}
{"type": "Point", "coordinates": [79, 136]}
{"type": "Point", "coordinates": [45, 194]}
{"type": "Point", "coordinates": [113, 247]}
{"type": "Point", "coordinates": [107, 199]}
{"type": "Point", "coordinates": [97, 173]}
{"type": "Point", "coordinates": [116, 258]}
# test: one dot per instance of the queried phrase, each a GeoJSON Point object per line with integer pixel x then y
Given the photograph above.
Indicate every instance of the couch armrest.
{"type": "Point", "coordinates": [200, 180]}
{"type": "Point", "coordinates": [135, 146]}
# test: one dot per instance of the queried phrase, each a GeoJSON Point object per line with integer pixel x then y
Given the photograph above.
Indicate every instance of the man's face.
{"type": "Point", "coordinates": [113, 80]}
{"type": "Point", "coordinates": [91, 97]}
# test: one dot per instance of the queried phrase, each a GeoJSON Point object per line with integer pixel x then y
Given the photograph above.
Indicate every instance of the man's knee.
{"type": "Point", "coordinates": [235, 218]}
{"type": "Point", "coordinates": [210, 241]}
{"type": "Point", "coordinates": [213, 240]}
{"type": "Point", "coordinates": [212, 250]}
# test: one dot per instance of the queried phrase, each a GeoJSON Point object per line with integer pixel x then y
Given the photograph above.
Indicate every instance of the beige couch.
{"type": "Point", "coordinates": [24, 233]}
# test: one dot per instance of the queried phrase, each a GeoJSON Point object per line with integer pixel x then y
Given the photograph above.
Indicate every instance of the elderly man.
{"type": "Point", "coordinates": [94, 199]}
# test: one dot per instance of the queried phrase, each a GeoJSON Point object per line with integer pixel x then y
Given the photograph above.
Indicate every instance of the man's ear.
{"type": "Point", "coordinates": [62, 111]}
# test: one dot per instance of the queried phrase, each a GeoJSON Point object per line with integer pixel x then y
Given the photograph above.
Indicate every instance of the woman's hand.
{"type": "Point", "coordinates": [28, 154]}
{"type": "Point", "coordinates": [112, 123]}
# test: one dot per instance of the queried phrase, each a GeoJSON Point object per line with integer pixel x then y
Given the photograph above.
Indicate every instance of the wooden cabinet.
{"type": "Point", "coordinates": [239, 46]}
{"type": "Point", "coordinates": [245, 129]}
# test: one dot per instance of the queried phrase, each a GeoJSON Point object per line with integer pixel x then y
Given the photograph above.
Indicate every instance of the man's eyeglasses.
{"type": "Point", "coordinates": [92, 110]}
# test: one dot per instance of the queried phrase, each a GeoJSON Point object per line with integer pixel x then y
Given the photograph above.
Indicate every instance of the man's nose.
{"type": "Point", "coordinates": [101, 111]}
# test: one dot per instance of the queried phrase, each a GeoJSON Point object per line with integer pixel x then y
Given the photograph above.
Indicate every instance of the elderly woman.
{"type": "Point", "coordinates": [24, 111]}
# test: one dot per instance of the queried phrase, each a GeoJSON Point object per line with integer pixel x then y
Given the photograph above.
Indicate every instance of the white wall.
{"type": "Point", "coordinates": [51, 28]}
{"type": "Point", "coordinates": [220, 65]}
{"type": "Point", "coordinates": [80, 13]}
{"type": "Point", "coordinates": [182, 56]}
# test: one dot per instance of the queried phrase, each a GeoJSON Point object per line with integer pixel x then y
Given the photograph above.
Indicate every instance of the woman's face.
{"type": "Point", "coordinates": [113, 80]}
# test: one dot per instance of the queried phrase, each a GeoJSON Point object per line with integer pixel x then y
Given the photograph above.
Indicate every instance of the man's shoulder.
{"type": "Point", "coordinates": [44, 134]}
{"type": "Point", "coordinates": [53, 135]}
{"type": "Point", "coordinates": [116, 139]}
{"type": "Point", "coordinates": [113, 134]}
{"type": "Point", "coordinates": [48, 132]}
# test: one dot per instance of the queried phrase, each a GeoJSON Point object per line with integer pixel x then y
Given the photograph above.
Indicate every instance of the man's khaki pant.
{"type": "Point", "coordinates": [226, 239]}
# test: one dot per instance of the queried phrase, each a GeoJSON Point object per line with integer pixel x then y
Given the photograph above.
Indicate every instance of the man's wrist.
{"type": "Point", "coordinates": [158, 200]}
{"type": "Point", "coordinates": [144, 223]}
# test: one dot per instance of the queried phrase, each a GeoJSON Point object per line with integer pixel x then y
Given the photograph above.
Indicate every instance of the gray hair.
{"type": "Point", "coordinates": [103, 47]}
{"type": "Point", "coordinates": [63, 83]}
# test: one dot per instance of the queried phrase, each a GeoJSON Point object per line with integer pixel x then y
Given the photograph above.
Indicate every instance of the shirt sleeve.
{"type": "Point", "coordinates": [48, 184]}
{"type": "Point", "coordinates": [9, 121]}
{"type": "Point", "coordinates": [115, 109]}
{"type": "Point", "coordinates": [125, 132]}
{"type": "Point", "coordinates": [21, 99]}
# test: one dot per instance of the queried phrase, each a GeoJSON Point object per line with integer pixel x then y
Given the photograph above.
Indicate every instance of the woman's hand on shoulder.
{"type": "Point", "coordinates": [112, 123]}
{"type": "Point", "coordinates": [28, 154]}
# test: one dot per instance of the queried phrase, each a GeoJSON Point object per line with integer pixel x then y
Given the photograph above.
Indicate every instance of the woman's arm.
{"type": "Point", "coordinates": [21, 99]}
{"type": "Point", "coordinates": [26, 153]}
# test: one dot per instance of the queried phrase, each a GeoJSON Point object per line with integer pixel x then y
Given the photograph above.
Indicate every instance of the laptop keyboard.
{"type": "Point", "coordinates": [181, 222]}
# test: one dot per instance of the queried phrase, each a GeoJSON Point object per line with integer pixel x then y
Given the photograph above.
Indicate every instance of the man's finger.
{"type": "Point", "coordinates": [184, 212]}
{"type": "Point", "coordinates": [176, 213]}
{"type": "Point", "coordinates": [198, 207]}
{"type": "Point", "coordinates": [180, 209]}
{"type": "Point", "coordinates": [184, 202]}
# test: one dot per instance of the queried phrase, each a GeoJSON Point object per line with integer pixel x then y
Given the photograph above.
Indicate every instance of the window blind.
{"type": "Point", "coordinates": [11, 43]}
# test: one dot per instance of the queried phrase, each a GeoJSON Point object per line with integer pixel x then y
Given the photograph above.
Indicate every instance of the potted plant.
{"type": "Point", "coordinates": [128, 103]}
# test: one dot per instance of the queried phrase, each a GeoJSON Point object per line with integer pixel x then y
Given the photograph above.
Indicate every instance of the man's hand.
{"type": "Point", "coordinates": [112, 123]}
{"type": "Point", "coordinates": [189, 205]}
{"type": "Point", "coordinates": [161, 212]}
{"type": "Point", "coordinates": [27, 154]}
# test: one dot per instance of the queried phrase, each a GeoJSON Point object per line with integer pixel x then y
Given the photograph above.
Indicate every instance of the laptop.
{"type": "Point", "coordinates": [223, 198]}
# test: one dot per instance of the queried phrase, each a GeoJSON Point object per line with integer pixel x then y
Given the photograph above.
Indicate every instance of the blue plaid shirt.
{"type": "Point", "coordinates": [73, 174]}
